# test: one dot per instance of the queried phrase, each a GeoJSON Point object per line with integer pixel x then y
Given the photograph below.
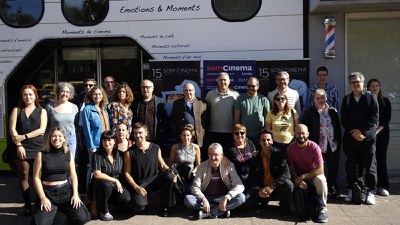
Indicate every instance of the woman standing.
{"type": "Point", "coordinates": [27, 125]}
{"type": "Point", "coordinates": [382, 136]}
{"type": "Point", "coordinates": [325, 130]}
{"type": "Point", "coordinates": [107, 165]}
{"type": "Point", "coordinates": [51, 169]}
{"type": "Point", "coordinates": [282, 120]}
{"type": "Point", "coordinates": [185, 156]}
{"type": "Point", "coordinates": [241, 152]}
{"type": "Point", "coordinates": [62, 113]}
{"type": "Point", "coordinates": [95, 121]}
{"type": "Point", "coordinates": [119, 110]}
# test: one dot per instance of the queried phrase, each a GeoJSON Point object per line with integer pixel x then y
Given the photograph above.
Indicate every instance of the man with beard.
{"type": "Point", "coordinates": [307, 168]}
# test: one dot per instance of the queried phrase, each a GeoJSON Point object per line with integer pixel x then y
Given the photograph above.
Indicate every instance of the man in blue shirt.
{"type": "Point", "coordinates": [332, 92]}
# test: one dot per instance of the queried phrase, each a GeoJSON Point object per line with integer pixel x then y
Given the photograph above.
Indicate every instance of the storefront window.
{"type": "Point", "coordinates": [236, 11]}
{"type": "Point", "coordinates": [85, 12]}
{"type": "Point", "coordinates": [21, 13]}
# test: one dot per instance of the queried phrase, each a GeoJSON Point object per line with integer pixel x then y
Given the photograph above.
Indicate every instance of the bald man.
{"type": "Point", "coordinates": [190, 110]}
{"type": "Point", "coordinates": [307, 169]}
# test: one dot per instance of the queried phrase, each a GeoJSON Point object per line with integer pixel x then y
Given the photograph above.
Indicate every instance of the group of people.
{"type": "Point", "coordinates": [257, 147]}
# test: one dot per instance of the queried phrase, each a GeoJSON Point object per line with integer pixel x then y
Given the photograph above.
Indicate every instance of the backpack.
{"type": "Point", "coordinates": [369, 100]}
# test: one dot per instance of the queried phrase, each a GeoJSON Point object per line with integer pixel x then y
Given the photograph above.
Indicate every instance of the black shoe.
{"type": "Point", "coordinates": [164, 212]}
{"type": "Point", "coordinates": [303, 218]}
{"type": "Point", "coordinates": [27, 210]}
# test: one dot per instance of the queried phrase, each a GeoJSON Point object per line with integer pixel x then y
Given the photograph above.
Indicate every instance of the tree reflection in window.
{"type": "Point", "coordinates": [21, 13]}
{"type": "Point", "coordinates": [85, 12]}
{"type": "Point", "coordinates": [236, 10]}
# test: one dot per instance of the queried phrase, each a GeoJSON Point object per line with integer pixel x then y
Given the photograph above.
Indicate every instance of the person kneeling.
{"type": "Point", "coordinates": [107, 167]}
{"type": "Point", "coordinates": [269, 176]}
{"type": "Point", "coordinates": [217, 188]}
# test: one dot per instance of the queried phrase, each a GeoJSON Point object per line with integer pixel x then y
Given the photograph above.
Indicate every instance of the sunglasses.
{"type": "Point", "coordinates": [281, 99]}
{"type": "Point", "coordinates": [241, 133]}
{"type": "Point", "coordinates": [89, 85]}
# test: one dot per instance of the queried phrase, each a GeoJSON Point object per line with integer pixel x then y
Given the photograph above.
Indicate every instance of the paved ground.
{"type": "Point", "coordinates": [386, 211]}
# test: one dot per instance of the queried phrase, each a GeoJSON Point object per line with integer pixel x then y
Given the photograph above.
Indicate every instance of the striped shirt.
{"type": "Point", "coordinates": [332, 94]}
{"type": "Point", "coordinates": [101, 162]}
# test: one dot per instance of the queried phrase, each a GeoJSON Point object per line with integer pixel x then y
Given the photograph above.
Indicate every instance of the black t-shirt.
{"type": "Point", "coordinates": [55, 165]}
{"type": "Point", "coordinates": [144, 166]}
{"type": "Point", "coordinates": [241, 157]}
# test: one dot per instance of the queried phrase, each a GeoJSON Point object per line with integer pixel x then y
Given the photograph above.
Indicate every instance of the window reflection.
{"type": "Point", "coordinates": [21, 13]}
{"type": "Point", "coordinates": [85, 12]}
{"type": "Point", "coordinates": [238, 10]}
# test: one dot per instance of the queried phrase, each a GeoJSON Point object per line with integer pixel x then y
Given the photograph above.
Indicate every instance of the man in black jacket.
{"type": "Point", "coordinates": [359, 116]}
{"type": "Point", "coordinates": [269, 175]}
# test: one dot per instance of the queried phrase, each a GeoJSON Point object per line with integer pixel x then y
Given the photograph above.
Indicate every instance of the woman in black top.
{"type": "Point", "coordinates": [51, 169]}
{"type": "Point", "coordinates": [241, 152]}
{"type": "Point", "coordinates": [28, 123]}
{"type": "Point", "coordinates": [382, 136]}
{"type": "Point", "coordinates": [107, 168]}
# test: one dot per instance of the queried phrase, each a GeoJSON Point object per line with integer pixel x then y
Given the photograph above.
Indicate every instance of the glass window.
{"type": "Point", "coordinates": [85, 12]}
{"type": "Point", "coordinates": [235, 11]}
{"type": "Point", "coordinates": [21, 13]}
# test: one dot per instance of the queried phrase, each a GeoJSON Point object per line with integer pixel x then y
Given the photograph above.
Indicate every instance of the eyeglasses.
{"type": "Point", "coordinates": [239, 132]}
{"type": "Point", "coordinates": [251, 86]}
{"type": "Point", "coordinates": [214, 155]}
{"type": "Point", "coordinates": [355, 82]}
{"type": "Point", "coordinates": [89, 85]}
{"type": "Point", "coordinates": [109, 82]}
{"type": "Point", "coordinates": [280, 99]}
{"type": "Point", "coordinates": [146, 87]}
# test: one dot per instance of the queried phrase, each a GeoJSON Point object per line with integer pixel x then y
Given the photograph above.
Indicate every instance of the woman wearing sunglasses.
{"type": "Point", "coordinates": [282, 120]}
{"type": "Point", "coordinates": [241, 152]}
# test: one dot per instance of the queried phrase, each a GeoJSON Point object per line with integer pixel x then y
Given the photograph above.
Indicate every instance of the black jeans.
{"type": "Point", "coordinates": [107, 192]}
{"type": "Point", "coordinates": [360, 157]}
{"type": "Point", "coordinates": [161, 182]}
{"type": "Point", "coordinates": [382, 143]}
{"type": "Point", "coordinates": [60, 198]}
{"type": "Point", "coordinates": [332, 162]}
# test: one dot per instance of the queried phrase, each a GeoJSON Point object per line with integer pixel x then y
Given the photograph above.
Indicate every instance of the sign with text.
{"type": "Point", "coordinates": [239, 71]}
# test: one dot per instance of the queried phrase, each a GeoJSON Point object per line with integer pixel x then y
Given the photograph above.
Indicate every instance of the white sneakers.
{"type": "Point", "coordinates": [349, 197]}
{"type": "Point", "coordinates": [383, 192]}
{"type": "Point", "coordinates": [370, 199]}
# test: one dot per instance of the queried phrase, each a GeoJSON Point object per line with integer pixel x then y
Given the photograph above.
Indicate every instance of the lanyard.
{"type": "Point", "coordinates": [242, 156]}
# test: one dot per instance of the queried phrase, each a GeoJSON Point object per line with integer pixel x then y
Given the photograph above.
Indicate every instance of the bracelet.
{"type": "Point", "coordinates": [26, 136]}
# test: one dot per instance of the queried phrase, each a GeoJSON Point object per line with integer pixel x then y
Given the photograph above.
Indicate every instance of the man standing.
{"type": "Point", "coordinates": [282, 81]}
{"type": "Point", "coordinates": [142, 164]}
{"type": "Point", "coordinates": [360, 115]}
{"type": "Point", "coordinates": [221, 101]}
{"type": "Point", "coordinates": [109, 87]}
{"type": "Point", "coordinates": [251, 109]}
{"type": "Point", "coordinates": [307, 168]}
{"type": "Point", "coordinates": [190, 110]}
{"type": "Point", "coordinates": [217, 188]}
{"type": "Point", "coordinates": [269, 176]}
{"type": "Point", "coordinates": [331, 91]}
{"type": "Point", "coordinates": [150, 110]}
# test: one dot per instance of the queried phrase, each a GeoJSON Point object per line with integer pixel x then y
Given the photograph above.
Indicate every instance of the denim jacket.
{"type": "Point", "coordinates": [92, 126]}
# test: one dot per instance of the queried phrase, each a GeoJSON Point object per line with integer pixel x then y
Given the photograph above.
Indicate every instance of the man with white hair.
{"type": "Point", "coordinates": [217, 188]}
{"type": "Point", "coordinates": [221, 101]}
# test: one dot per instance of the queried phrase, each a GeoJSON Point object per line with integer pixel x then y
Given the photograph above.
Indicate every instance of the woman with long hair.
{"type": "Point", "coordinates": [51, 171]}
{"type": "Point", "coordinates": [28, 123]}
{"type": "Point", "coordinates": [119, 110]}
{"type": "Point", "coordinates": [107, 164]}
{"type": "Point", "coordinates": [95, 121]}
{"type": "Point", "coordinates": [282, 120]}
{"type": "Point", "coordinates": [62, 113]}
{"type": "Point", "coordinates": [382, 136]}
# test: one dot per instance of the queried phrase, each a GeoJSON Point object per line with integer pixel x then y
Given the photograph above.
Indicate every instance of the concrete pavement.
{"type": "Point", "coordinates": [386, 211]}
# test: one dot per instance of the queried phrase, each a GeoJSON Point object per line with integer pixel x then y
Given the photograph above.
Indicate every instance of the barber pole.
{"type": "Point", "coordinates": [330, 52]}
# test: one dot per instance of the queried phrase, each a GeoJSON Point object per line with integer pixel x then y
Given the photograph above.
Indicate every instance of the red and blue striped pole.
{"type": "Point", "coordinates": [330, 52]}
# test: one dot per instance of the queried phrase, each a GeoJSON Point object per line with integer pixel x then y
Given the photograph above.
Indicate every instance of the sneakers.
{"type": "Point", "coordinates": [349, 197]}
{"type": "Point", "coordinates": [106, 217]}
{"type": "Point", "coordinates": [370, 199]}
{"type": "Point", "coordinates": [322, 217]}
{"type": "Point", "coordinates": [383, 192]}
{"type": "Point", "coordinates": [203, 215]}
{"type": "Point", "coordinates": [227, 214]}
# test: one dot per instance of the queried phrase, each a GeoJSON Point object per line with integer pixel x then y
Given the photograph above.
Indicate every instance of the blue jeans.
{"type": "Point", "coordinates": [192, 202]}
{"type": "Point", "coordinates": [71, 142]}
